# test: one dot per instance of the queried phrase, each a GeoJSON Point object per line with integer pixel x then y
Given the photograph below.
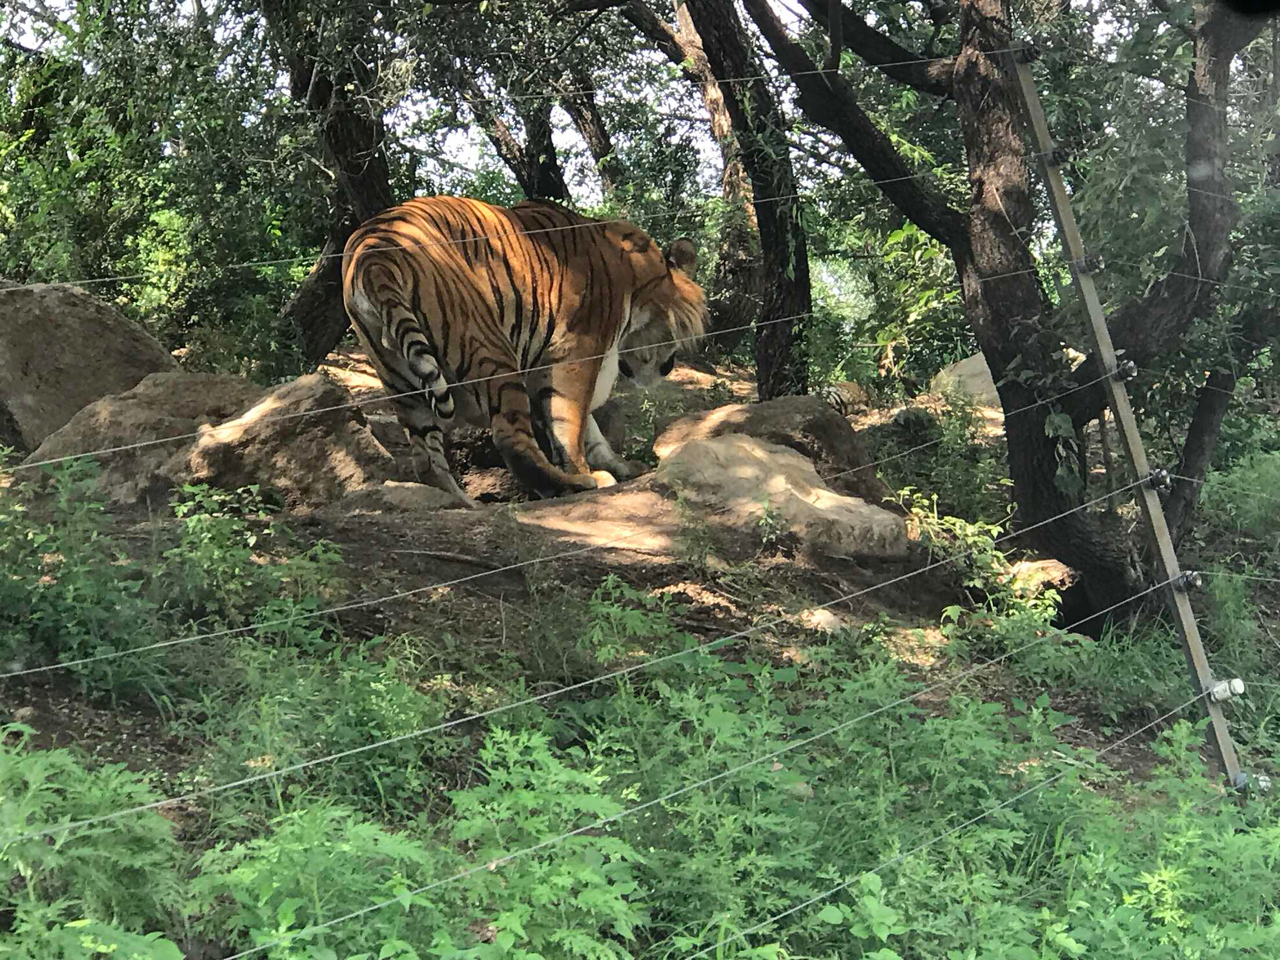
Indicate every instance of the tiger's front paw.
{"type": "Point", "coordinates": [603, 478]}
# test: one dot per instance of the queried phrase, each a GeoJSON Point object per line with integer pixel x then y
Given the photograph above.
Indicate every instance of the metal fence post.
{"type": "Point", "coordinates": [1082, 267]}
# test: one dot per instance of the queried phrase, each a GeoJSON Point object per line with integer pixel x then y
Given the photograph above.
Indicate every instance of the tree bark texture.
{"type": "Point", "coordinates": [737, 289]}
{"type": "Point", "coordinates": [353, 142]}
{"type": "Point", "coordinates": [580, 103]}
{"type": "Point", "coordinates": [781, 360]}
{"type": "Point", "coordinates": [533, 162]}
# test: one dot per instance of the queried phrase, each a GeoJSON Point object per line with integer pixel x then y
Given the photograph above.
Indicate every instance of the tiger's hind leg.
{"type": "Point", "coordinates": [562, 395]}
{"type": "Point", "coordinates": [512, 426]}
{"type": "Point", "coordinates": [426, 442]}
{"type": "Point", "coordinates": [407, 366]}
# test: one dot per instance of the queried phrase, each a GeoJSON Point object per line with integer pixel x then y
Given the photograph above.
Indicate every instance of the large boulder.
{"type": "Point", "coordinates": [60, 350]}
{"type": "Point", "coordinates": [970, 376]}
{"type": "Point", "coordinates": [302, 439]}
{"type": "Point", "coordinates": [736, 491]}
{"type": "Point", "coordinates": [807, 425]}
{"type": "Point", "coordinates": [747, 484]}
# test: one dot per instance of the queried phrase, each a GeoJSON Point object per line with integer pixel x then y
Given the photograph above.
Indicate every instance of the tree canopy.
{"type": "Point", "coordinates": [856, 175]}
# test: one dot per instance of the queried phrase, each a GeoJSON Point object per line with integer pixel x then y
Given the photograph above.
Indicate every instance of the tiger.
{"type": "Point", "coordinates": [520, 319]}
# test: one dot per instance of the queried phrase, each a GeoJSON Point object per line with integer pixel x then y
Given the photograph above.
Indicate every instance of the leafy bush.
{"type": "Point", "coordinates": [70, 590]}
{"type": "Point", "coordinates": [286, 708]}
{"type": "Point", "coordinates": [112, 879]}
{"type": "Point", "coordinates": [76, 590]}
{"type": "Point", "coordinates": [323, 862]}
{"type": "Point", "coordinates": [963, 469]}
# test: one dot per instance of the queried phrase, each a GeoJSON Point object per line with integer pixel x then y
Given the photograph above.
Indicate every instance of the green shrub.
{"type": "Point", "coordinates": [116, 877]}
{"type": "Point", "coordinates": [287, 708]}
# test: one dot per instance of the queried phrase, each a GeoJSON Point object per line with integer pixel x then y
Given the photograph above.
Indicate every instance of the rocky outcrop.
{"type": "Point", "coordinates": [807, 425]}
{"type": "Point", "coordinates": [302, 439]}
{"type": "Point", "coordinates": [60, 350]}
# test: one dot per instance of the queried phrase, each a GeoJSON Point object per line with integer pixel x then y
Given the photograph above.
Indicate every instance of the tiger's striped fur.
{"type": "Point", "coordinates": [520, 319]}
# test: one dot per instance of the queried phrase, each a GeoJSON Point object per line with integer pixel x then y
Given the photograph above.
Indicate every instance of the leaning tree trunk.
{"type": "Point", "coordinates": [781, 360]}
{"type": "Point", "coordinates": [1002, 304]}
{"type": "Point", "coordinates": [1005, 306]}
{"type": "Point", "coordinates": [353, 142]}
{"type": "Point", "coordinates": [737, 288]}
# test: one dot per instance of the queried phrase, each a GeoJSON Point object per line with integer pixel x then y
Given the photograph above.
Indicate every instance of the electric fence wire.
{"type": "Point", "coordinates": [538, 698]}
{"type": "Point", "coordinates": [372, 601]}
{"type": "Point", "coordinates": [1214, 481]}
{"type": "Point", "coordinates": [236, 423]}
{"type": "Point", "coordinates": [919, 848]}
{"type": "Point", "coordinates": [688, 788]}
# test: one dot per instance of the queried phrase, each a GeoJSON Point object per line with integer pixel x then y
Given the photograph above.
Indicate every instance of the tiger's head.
{"type": "Point", "coordinates": [668, 315]}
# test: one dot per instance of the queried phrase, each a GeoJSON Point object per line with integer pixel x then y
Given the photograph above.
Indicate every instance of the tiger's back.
{"type": "Point", "coordinates": [506, 316]}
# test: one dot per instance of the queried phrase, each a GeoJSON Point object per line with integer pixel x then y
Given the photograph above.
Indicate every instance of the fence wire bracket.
{"type": "Point", "coordinates": [1125, 371]}
{"type": "Point", "coordinates": [1188, 580]}
{"type": "Point", "coordinates": [1223, 690]}
{"type": "Point", "coordinates": [1255, 783]}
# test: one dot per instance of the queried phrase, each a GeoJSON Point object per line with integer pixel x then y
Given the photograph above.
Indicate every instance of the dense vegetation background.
{"type": "Point", "coordinates": [191, 161]}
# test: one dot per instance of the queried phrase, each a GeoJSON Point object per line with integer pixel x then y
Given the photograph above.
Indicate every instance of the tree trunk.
{"type": "Point", "coordinates": [354, 149]}
{"type": "Point", "coordinates": [737, 289]}
{"type": "Point", "coordinates": [534, 163]}
{"type": "Point", "coordinates": [580, 104]}
{"type": "Point", "coordinates": [1008, 309]}
{"type": "Point", "coordinates": [316, 310]}
{"type": "Point", "coordinates": [781, 361]}
{"type": "Point", "coordinates": [1206, 425]}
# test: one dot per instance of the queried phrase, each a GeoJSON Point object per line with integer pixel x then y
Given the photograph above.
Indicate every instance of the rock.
{"type": "Point", "coordinates": [63, 349]}
{"type": "Point", "coordinates": [414, 496]}
{"type": "Point", "coordinates": [807, 425]}
{"type": "Point", "coordinates": [299, 439]}
{"type": "Point", "coordinates": [747, 484]}
{"type": "Point", "coordinates": [970, 376]}
{"type": "Point", "coordinates": [917, 420]}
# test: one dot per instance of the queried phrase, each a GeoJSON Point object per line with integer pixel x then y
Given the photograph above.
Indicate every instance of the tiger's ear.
{"type": "Point", "coordinates": [682, 254]}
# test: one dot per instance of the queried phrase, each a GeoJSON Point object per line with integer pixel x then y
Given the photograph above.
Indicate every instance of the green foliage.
{"type": "Point", "coordinates": [316, 865]}
{"type": "Point", "coordinates": [1235, 498]}
{"type": "Point", "coordinates": [286, 707]}
{"type": "Point", "coordinates": [570, 902]}
{"type": "Point", "coordinates": [66, 593]}
{"type": "Point", "coordinates": [76, 589]}
{"type": "Point", "coordinates": [962, 463]}
{"type": "Point", "coordinates": [323, 862]}
{"type": "Point", "coordinates": [107, 881]}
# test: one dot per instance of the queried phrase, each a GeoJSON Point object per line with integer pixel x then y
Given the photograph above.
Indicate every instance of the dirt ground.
{"type": "Point", "coordinates": [474, 573]}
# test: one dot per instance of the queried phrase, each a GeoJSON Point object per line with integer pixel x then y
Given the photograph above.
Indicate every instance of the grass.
{"type": "Point", "coordinates": [1097, 861]}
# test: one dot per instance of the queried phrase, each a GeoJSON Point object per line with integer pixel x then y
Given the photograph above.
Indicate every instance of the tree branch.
{"type": "Point", "coordinates": [890, 57]}
{"type": "Point", "coordinates": [830, 100]}
{"type": "Point", "coordinates": [667, 42]}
